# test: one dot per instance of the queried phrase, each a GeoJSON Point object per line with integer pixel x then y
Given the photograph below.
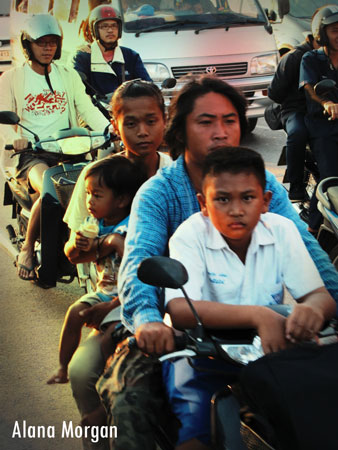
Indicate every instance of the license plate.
{"type": "Point", "coordinates": [5, 55]}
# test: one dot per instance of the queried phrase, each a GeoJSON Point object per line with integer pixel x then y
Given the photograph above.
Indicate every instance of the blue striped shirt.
{"type": "Point", "coordinates": [160, 206]}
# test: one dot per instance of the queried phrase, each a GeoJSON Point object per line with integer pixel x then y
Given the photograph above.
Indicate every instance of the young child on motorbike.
{"type": "Point", "coordinates": [240, 257]}
{"type": "Point", "coordinates": [111, 184]}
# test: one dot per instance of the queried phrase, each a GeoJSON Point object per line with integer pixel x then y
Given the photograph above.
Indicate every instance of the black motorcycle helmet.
{"type": "Point", "coordinates": [103, 12]}
{"type": "Point", "coordinates": [37, 26]}
{"type": "Point", "coordinates": [324, 16]}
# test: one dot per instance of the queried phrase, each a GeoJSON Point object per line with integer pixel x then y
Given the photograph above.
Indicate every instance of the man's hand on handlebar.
{"type": "Point", "coordinates": [331, 109]}
{"type": "Point", "coordinates": [20, 144]}
{"type": "Point", "coordinates": [155, 338]}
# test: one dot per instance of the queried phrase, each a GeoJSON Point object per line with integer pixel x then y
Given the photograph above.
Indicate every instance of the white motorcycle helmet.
{"type": "Point", "coordinates": [324, 16]}
{"type": "Point", "coordinates": [37, 26]}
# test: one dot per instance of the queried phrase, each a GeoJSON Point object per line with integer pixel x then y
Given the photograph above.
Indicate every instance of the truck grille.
{"type": "Point", "coordinates": [220, 70]}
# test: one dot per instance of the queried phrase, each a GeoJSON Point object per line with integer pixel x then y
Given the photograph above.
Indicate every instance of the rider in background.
{"type": "Point", "coordinates": [318, 65]}
{"type": "Point", "coordinates": [284, 89]}
{"type": "Point", "coordinates": [47, 97]}
{"type": "Point", "coordinates": [106, 64]}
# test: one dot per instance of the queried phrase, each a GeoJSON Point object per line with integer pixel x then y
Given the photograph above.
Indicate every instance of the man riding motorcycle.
{"type": "Point", "coordinates": [106, 64]}
{"type": "Point", "coordinates": [47, 97]}
{"type": "Point", "coordinates": [318, 65]}
{"type": "Point", "coordinates": [284, 90]}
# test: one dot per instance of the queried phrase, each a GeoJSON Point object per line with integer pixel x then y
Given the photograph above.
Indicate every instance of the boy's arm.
{"type": "Point", "coordinates": [78, 251]}
{"type": "Point", "coordinates": [113, 242]}
{"type": "Point", "coordinates": [280, 204]}
{"type": "Point", "coordinates": [309, 315]}
{"type": "Point", "coordinates": [314, 303]}
{"type": "Point", "coordinates": [269, 324]}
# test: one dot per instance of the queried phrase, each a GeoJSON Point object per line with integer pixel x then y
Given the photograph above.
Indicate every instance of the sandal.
{"type": "Point", "coordinates": [28, 269]}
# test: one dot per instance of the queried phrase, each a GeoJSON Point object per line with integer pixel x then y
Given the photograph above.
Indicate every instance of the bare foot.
{"type": "Point", "coordinates": [96, 417]}
{"type": "Point", "coordinates": [25, 265]}
{"type": "Point", "coordinates": [60, 377]}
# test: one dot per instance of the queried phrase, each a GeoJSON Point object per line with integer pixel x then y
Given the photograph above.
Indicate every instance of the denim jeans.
{"type": "Point", "coordinates": [297, 138]}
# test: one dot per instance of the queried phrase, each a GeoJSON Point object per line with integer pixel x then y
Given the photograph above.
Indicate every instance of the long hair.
{"type": "Point", "coordinates": [183, 103]}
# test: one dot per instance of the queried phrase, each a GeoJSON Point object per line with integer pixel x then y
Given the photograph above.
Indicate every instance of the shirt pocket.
{"type": "Point", "coordinates": [274, 293]}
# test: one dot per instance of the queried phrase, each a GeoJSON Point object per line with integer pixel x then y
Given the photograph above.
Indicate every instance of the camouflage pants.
{"type": "Point", "coordinates": [132, 392]}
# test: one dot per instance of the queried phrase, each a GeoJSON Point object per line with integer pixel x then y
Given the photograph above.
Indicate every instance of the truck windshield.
{"type": "Point", "coordinates": [304, 10]}
{"type": "Point", "coordinates": [5, 6]}
{"type": "Point", "coordinates": [178, 14]}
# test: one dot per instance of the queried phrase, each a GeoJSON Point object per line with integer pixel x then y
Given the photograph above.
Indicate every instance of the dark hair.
{"type": "Point", "coordinates": [118, 173]}
{"type": "Point", "coordinates": [235, 160]}
{"type": "Point", "coordinates": [134, 89]}
{"type": "Point", "coordinates": [183, 102]}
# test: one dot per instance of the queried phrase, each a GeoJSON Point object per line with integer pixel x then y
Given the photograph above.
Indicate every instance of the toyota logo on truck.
{"type": "Point", "coordinates": [211, 69]}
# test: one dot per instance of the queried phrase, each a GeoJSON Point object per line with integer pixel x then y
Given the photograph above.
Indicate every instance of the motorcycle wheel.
{"type": "Point", "coordinates": [252, 124]}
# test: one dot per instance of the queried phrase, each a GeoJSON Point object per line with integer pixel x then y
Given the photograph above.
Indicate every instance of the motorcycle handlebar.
{"type": "Point", "coordinates": [11, 147]}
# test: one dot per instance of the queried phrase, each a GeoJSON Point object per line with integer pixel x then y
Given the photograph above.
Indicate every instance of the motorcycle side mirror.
{"type": "Point", "coordinates": [162, 271]}
{"type": "Point", "coordinates": [9, 118]}
{"type": "Point", "coordinates": [168, 83]}
{"type": "Point", "coordinates": [324, 86]}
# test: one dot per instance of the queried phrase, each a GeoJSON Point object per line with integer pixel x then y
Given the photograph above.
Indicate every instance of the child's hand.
{"type": "Point", "coordinates": [115, 242]}
{"type": "Point", "coordinates": [304, 322]}
{"type": "Point", "coordinates": [82, 243]}
{"type": "Point", "coordinates": [271, 330]}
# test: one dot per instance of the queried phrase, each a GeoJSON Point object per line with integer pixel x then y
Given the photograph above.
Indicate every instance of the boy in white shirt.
{"type": "Point", "coordinates": [240, 257]}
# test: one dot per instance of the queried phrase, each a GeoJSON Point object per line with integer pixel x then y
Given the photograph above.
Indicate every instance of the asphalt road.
{"type": "Point", "coordinates": [30, 323]}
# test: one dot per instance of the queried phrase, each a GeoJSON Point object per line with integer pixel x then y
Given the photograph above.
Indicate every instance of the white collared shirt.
{"type": "Point", "coordinates": [99, 64]}
{"type": "Point", "coordinates": [276, 257]}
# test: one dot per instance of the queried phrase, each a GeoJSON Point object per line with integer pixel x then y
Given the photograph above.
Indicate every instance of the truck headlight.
{"type": "Point", "coordinates": [157, 72]}
{"type": "Point", "coordinates": [262, 65]}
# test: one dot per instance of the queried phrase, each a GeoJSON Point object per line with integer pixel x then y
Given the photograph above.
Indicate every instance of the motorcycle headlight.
{"type": "Point", "coordinates": [157, 72]}
{"type": "Point", "coordinates": [75, 145]}
{"type": "Point", "coordinates": [263, 65]}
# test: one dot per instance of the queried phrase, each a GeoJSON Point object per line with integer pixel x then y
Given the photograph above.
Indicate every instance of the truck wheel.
{"type": "Point", "coordinates": [252, 124]}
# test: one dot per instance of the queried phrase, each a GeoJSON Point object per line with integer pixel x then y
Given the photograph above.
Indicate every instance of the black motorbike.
{"type": "Point", "coordinates": [72, 146]}
{"type": "Point", "coordinates": [327, 195]}
{"type": "Point", "coordinates": [235, 425]}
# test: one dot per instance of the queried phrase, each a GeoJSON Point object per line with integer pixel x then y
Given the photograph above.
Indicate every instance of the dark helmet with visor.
{"type": "Point", "coordinates": [37, 26]}
{"type": "Point", "coordinates": [325, 15]}
{"type": "Point", "coordinates": [103, 12]}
